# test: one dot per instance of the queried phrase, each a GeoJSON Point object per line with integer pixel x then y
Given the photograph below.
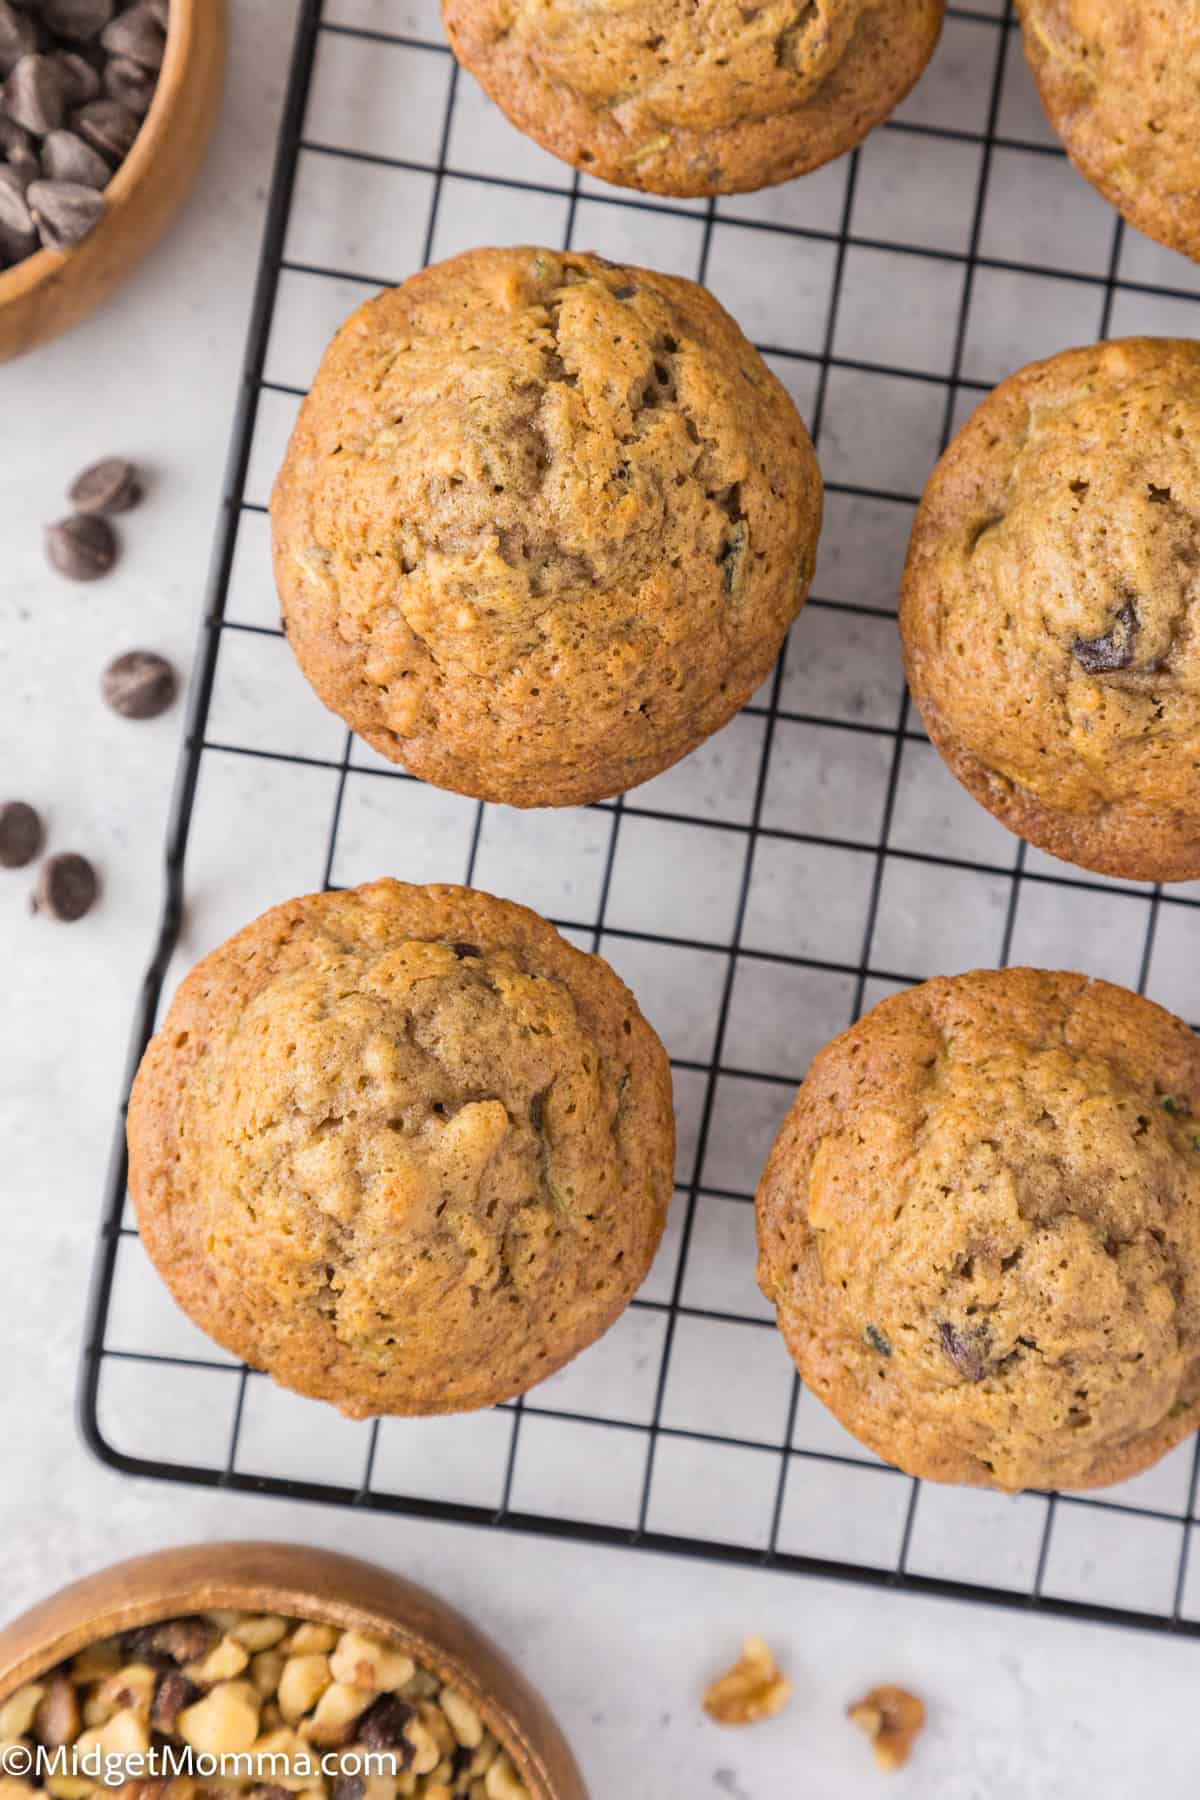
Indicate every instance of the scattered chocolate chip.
{"type": "Point", "coordinates": [14, 139]}
{"type": "Point", "coordinates": [67, 887]}
{"type": "Point", "coordinates": [382, 1726]}
{"type": "Point", "coordinates": [139, 685]}
{"type": "Point", "coordinates": [18, 36]}
{"type": "Point", "coordinates": [349, 1787]}
{"type": "Point", "coordinates": [1159, 496]}
{"type": "Point", "coordinates": [463, 951]}
{"type": "Point", "coordinates": [877, 1340]}
{"type": "Point", "coordinates": [77, 19]}
{"type": "Point", "coordinates": [64, 212]}
{"type": "Point", "coordinates": [160, 11]}
{"type": "Point", "coordinates": [81, 547]}
{"type": "Point", "coordinates": [624, 293]}
{"type": "Point", "coordinates": [730, 556]}
{"type": "Point", "coordinates": [182, 1640]}
{"type": "Point", "coordinates": [15, 215]}
{"type": "Point", "coordinates": [173, 1693]}
{"type": "Point", "coordinates": [33, 94]}
{"type": "Point", "coordinates": [129, 84]}
{"type": "Point", "coordinates": [15, 246]}
{"type": "Point", "coordinates": [1103, 655]}
{"type": "Point", "coordinates": [81, 79]}
{"type": "Point", "coordinates": [66, 157]}
{"type": "Point", "coordinates": [22, 834]}
{"type": "Point", "coordinates": [109, 486]}
{"type": "Point", "coordinates": [967, 1350]}
{"type": "Point", "coordinates": [108, 127]}
{"type": "Point", "coordinates": [136, 34]}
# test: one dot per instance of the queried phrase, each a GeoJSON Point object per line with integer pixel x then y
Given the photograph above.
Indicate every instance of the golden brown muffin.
{"type": "Point", "coordinates": [402, 1147]}
{"type": "Point", "coordinates": [1120, 80]}
{"type": "Point", "coordinates": [712, 97]}
{"type": "Point", "coordinates": [1051, 607]}
{"type": "Point", "coordinates": [980, 1229]}
{"type": "Point", "coordinates": [543, 524]}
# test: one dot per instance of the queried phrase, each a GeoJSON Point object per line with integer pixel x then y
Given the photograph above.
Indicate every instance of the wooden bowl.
{"type": "Point", "coordinates": [303, 1584]}
{"type": "Point", "coordinates": [52, 290]}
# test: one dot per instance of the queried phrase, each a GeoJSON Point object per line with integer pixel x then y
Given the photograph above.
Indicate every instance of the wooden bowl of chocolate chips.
{"type": "Point", "coordinates": [267, 1671]}
{"type": "Point", "coordinates": [106, 109]}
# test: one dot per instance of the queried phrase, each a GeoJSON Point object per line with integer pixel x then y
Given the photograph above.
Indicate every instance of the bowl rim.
{"type": "Point", "coordinates": [301, 1582]}
{"type": "Point", "coordinates": [138, 166]}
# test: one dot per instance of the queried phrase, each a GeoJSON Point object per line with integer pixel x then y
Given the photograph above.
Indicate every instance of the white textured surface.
{"type": "Point", "coordinates": [620, 1643]}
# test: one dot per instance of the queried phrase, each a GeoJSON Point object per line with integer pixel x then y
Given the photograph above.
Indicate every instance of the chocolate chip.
{"type": "Point", "coordinates": [731, 555]}
{"type": "Point", "coordinates": [967, 1350]}
{"type": "Point", "coordinates": [18, 36]}
{"type": "Point", "coordinates": [67, 887]}
{"type": "Point", "coordinates": [463, 951]}
{"type": "Point", "coordinates": [139, 685]}
{"type": "Point", "coordinates": [624, 293]}
{"type": "Point", "coordinates": [14, 139]}
{"type": "Point", "coordinates": [78, 19]}
{"type": "Point", "coordinates": [129, 84]}
{"type": "Point", "coordinates": [22, 834]}
{"type": "Point", "coordinates": [66, 157]}
{"type": "Point", "coordinates": [1159, 496]}
{"type": "Point", "coordinates": [80, 547]}
{"type": "Point", "coordinates": [349, 1787]}
{"type": "Point", "coordinates": [383, 1724]}
{"type": "Point", "coordinates": [877, 1340]}
{"type": "Point", "coordinates": [15, 215]}
{"type": "Point", "coordinates": [81, 80]}
{"type": "Point", "coordinates": [109, 486]}
{"type": "Point", "coordinates": [15, 246]}
{"type": "Point", "coordinates": [108, 127]}
{"type": "Point", "coordinates": [1103, 655]}
{"type": "Point", "coordinates": [34, 96]}
{"type": "Point", "coordinates": [135, 33]}
{"type": "Point", "coordinates": [173, 1693]}
{"type": "Point", "coordinates": [64, 212]}
{"type": "Point", "coordinates": [160, 11]}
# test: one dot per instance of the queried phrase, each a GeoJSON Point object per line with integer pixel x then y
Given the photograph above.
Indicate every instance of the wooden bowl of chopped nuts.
{"type": "Point", "coordinates": [324, 1677]}
{"type": "Point", "coordinates": [102, 134]}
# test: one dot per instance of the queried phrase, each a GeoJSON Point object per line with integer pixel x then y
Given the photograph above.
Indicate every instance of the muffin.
{"type": "Point", "coordinates": [543, 524]}
{"type": "Point", "coordinates": [1120, 81]}
{"type": "Point", "coordinates": [718, 98]}
{"type": "Point", "coordinates": [1051, 607]}
{"type": "Point", "coordinates": [980, 1229]}
{"type": "Point", "coordinates": [403, 1148]}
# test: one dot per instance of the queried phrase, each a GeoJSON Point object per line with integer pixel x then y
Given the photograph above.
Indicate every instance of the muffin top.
{"type": "Point", "coordinates": [1051, 607]}
{"type": "Point", "coordinates": [980, 1227]}
{"type": "Point", "coordinates": [543, 524]}
{"type": "Point", "coordinates": [404, 1148]}
{"type": "Point", "coordinates": [1120, 80]}
{"type": "Point", "coordinates": [696, 98]}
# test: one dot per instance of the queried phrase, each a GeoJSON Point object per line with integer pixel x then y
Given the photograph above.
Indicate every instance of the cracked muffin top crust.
{"type": "Point", "coordinates": [404, 1148]}
{"type": "Point", "coordinates": [1120, 81]}
{"type": "Point", "coordinates": [543, 524]}
{"type": "Point", "coordinates": [1051, 607]}
{"type": "Point", "coordinates": [980, 1229]}
{"type": "Point", "coordinates": [695, 96]}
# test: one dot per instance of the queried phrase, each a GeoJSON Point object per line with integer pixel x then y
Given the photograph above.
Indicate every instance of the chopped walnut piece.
{"type": "Point", "coordinates": [753, 1689]}
{"type": "Point", "coordinates": [891, 1718]}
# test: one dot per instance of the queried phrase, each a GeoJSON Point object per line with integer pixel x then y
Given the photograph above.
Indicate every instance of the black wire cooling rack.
{"type": "Point", "coordinates": [812, 858]}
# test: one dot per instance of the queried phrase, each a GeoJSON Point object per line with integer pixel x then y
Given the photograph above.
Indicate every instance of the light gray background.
{"type": "Point", "coordinates": [622, 1644]}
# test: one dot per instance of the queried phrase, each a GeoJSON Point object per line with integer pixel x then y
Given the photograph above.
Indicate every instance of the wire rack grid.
{"type": "Point", "coordinates": [810, 859]}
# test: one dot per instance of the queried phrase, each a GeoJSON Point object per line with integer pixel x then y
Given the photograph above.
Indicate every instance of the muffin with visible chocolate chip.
{"type": "Point", "coordinates": [716, 98]}
{"type": "Point", "coordinates": [543, 524]}
{"type": "Point", "coordinates": [1120, 81]}
{"type": "Point", "coordinates": [1051, 607]}
{"type": "Point", "coordinates": [980, 1230]}
{"type": "Point", "coordinates": [403, 1148]}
